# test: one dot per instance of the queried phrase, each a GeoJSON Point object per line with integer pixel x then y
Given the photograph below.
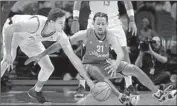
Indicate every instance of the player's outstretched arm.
{"type": "Point", "coordinates": [62, 40]}
{"type": "Point", "coordinates": [75, 23]}
{"type": "Point", "coordinates": [113, 41]}
{"type": "Point", "coordinates": [65, 44]}
{"type": "Point", "coordinates": [130, 13]}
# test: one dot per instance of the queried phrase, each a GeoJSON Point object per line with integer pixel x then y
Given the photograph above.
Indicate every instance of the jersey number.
{"type": "Point", "coordinates": [106, 3]}
{"type": "Point", "coordinates": [99, 48]}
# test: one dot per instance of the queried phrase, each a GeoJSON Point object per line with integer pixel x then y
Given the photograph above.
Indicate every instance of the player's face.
{"type": "Point", "coordinates": [59, 24]}
{"type": "Point", "coordinates": [100, 25]}
{"type": "Point", "coordinates": [158, 42]}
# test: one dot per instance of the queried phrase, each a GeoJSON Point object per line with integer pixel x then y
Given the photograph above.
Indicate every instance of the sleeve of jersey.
{"type": "Point", "coordinates": [63, 39]}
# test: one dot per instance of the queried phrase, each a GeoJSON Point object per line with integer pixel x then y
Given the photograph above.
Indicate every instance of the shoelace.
{"type": "Point", "coordinates": [168, 89]}
{"type": "Point", "coordinates": [124, 99]}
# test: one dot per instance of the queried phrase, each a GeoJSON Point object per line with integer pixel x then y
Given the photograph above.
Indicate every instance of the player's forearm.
{"type": "Point", "coordinates": [159, 57]}
{"type": "Point", "coordinates": [53, 48]}
{"type": "Point", "coordinates": [76, 9]}
{"type": "Point", "coordinates": [8, 40]}
{"type": "Point", "coordinates": [130, 11]}
{"type": "Point", "coordinates": [77, 64]}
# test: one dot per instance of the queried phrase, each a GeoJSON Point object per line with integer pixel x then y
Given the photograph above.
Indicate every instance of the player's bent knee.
{"type": "Point", "coordinates": [134, 70]}
{"type": "Point", "coordinates": [48, 68]}
{"type": "Point", "coordinates": [94, 72]}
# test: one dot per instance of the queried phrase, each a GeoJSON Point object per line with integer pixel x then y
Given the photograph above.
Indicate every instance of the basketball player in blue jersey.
{"type": "Point", "coordinates": [27, 32]}
{"type": "Point", "coordinates": [97, 63]}
{"type": "Point", "coordinates": [115, 25]}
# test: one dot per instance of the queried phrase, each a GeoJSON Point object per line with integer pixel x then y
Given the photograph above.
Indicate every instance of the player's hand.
{"type": "Point", "coordinates": [112, 67]}
{"type": "Point", "coordinates": [75, 26]}
{"type": "Point", "coordinates": [8, 62]}
{"type": "Point", "coordinates": [132, 27]}
{"type": "Point", "coordinates": [36, 59]}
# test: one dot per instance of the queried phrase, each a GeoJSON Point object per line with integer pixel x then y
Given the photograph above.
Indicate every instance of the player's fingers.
{"type": "Point", "coordinates": [129, 28]}
{"type": "Point", "coordinates": [133, 31]}
{"type": "Point", "coordinates": [112, 74]}
{"type": "Point", "coordinates": [28, 61]}
{"type": "Point", "coordinates": [35, 62]}
{"type": "Point", "coordinates": [109, 71]}
{"type": "Point", "coordinates": [115, 74]}
{"type": "Point", "coordinates": [11, 66]}
{"type": "Point", "coordinates": [108, 67]}
{"type": "Point", "coordinates": [8, 67]}
{"type": "Point", "coordinates": [109, 61]}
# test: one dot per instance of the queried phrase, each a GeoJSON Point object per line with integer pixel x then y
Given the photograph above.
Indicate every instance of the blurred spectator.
{"type": "Point", "coordinates": [84, 15]}
{"type": "Point", "coordinates": [65, 5]}
{"type": "Point", "coordinates": [44, 7]}
{"type": "Point", "coordinates": [146, 32]}
{"type": "Point", "coordinates": [172, 61]}
{"type": "Point", "coordinates": [165, 24]}
{"type": "Point", "coordinates": [67, 28]}
{"type": "Point", "coordinates": [24, 7]}
{"type": "Point", "coordinates": [173, 10]}
{"type": "Point", "coordinates": [146, 10]}
{"type": "Point", "coordinates": [172, 55]}
{"type": "Point", "coordinates": [153, 61]}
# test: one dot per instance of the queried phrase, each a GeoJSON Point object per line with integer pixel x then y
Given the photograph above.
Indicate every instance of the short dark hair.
{"type": "Point", "coordinates": [100, 14]}
{"type": "Point", "coordinates": [55, 13]}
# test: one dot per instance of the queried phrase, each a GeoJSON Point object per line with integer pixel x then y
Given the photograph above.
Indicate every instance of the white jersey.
{"type": "Point", "coordinates": [36, 36]}
{"type": "Point", "coordinates": [108, 7]}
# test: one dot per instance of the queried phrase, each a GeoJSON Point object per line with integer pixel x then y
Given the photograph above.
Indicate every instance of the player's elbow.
{"type": "Point", "coordinates": [57, 45]}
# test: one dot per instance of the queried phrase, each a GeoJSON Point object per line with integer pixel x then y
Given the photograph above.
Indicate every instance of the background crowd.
{"type": "Point", "coordinates": [156, 23]}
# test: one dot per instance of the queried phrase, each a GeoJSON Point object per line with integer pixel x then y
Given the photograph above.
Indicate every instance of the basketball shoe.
{"type": "Point", "coordinates": [37, 95]}
{"type": "Point", "coordinates": [166, 94]}
{"type": "Point", "coordinates": [80, 92]}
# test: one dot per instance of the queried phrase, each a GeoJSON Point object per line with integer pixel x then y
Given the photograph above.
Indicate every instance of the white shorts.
{"type": "Point", "coordinates": [115, 26]}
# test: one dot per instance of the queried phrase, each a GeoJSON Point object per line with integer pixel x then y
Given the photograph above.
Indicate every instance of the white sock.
{"type": "Point", "coordinates": [158, 92]}
{"type": "Point", "coordinates": [82, 82]}
{"type": "Point", "coordinates": [37, 89]}
{"type": "Point", "coordinates": [39, 85]}
{"type": "Point", "coordinates": [128, 81]}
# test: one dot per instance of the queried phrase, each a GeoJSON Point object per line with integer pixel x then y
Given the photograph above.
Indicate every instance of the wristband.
{"type": "Point", "coordinates": [130, 12]}
{"type": "Point", "coordinates": [76, 13]}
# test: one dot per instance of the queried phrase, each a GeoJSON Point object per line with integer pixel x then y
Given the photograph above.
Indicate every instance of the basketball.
{"type": "Point", "coordinates": [101, 91]}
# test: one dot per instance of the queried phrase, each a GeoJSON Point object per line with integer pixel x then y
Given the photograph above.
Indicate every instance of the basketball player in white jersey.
{"type": "Point", "coordinates": [115, 25]}
{"type": "Point", "coordinates": [27, 32]}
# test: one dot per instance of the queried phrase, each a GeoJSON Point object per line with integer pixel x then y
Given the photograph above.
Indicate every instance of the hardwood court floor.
{"type": "Point", "coordinates": [64, 95]}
